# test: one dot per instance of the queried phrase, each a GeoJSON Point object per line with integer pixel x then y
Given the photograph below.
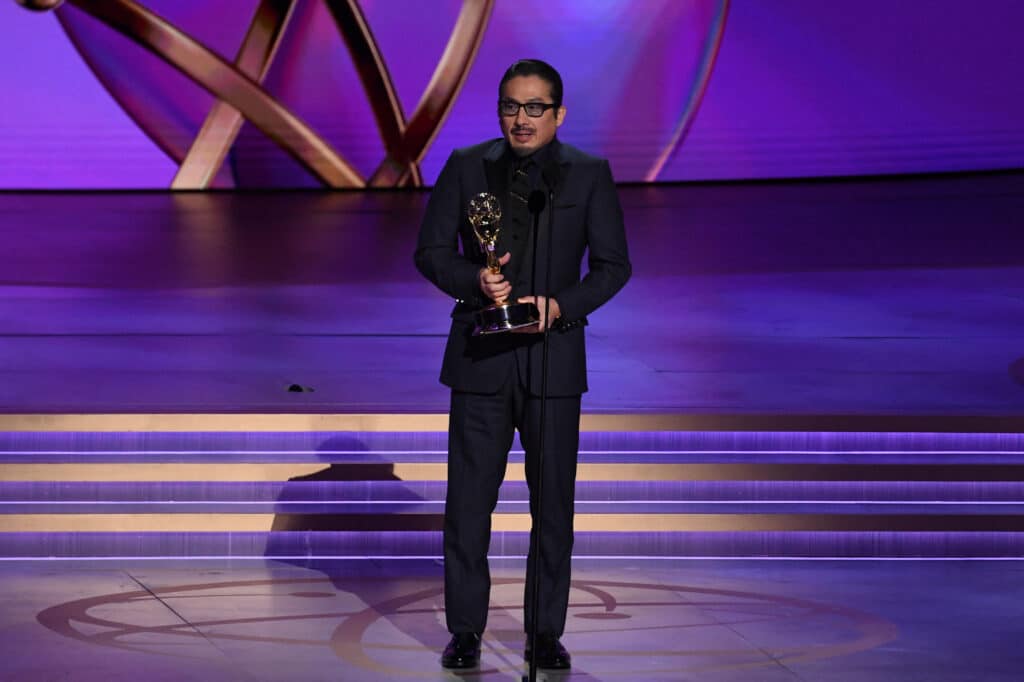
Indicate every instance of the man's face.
{"type": "Point", "coordinates": [526, 134]}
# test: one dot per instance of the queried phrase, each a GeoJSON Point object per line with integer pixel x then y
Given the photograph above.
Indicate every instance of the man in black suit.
{"type": "Point", "coordinates": [496, 379]}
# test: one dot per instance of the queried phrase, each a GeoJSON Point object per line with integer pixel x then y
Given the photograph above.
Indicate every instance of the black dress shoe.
{"type": "Point", "coordinates": [551, 655]}
{"type": "Point", "coordinates": [463, 651]}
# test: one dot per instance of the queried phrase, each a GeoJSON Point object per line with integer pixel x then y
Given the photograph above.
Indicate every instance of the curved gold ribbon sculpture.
{"type": "Point", "coordinates": [241, 97]}
{"type": "Point", "coordinates": [220, 129]}
{"type": "Point", "coordinates": [700, 86]}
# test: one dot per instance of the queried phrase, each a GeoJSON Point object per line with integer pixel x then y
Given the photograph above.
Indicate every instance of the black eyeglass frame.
{"type": "Point", "coordinates": [542, 106]}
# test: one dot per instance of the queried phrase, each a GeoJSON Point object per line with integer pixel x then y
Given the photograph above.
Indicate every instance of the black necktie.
{"type": "Point", "coordinates": [516, 223]}
{"type": "Point", "coordinates": [521, 182]}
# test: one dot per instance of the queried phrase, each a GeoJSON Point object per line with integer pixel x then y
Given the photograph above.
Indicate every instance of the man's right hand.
{"type": "Point", "coordinates": [494, 285]}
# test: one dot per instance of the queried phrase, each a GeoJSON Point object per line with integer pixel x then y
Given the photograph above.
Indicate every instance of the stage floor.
{"type": "Point", "coordinates": [880, 306]}
{"type": "Point", "coordinates": [896, 299]}
{"type": "Point", "coordinates": [714, 621]}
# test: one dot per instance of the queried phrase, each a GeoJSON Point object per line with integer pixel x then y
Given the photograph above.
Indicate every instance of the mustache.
{"type": "Point", "coordinates": [521, 129]}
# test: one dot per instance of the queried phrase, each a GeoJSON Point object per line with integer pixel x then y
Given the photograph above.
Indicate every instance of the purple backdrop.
{"type": "Point", "coordinates": [800, 87]}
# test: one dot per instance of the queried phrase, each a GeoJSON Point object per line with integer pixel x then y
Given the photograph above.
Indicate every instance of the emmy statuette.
{"type": "Point", "coordinates": [502, 316]}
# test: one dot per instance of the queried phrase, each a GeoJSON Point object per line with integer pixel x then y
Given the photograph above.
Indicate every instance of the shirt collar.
{"type": "Point", "coordinates": [540, 157]}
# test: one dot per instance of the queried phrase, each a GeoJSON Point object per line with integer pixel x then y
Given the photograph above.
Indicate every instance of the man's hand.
{"type": "Point", "coordinates": [554, 312]}
{"type": "Point", "coordinates": [493, 285]}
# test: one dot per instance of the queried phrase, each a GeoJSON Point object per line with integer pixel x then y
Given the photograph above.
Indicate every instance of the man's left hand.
{"type": "Point", "coordinates": [554, 312]}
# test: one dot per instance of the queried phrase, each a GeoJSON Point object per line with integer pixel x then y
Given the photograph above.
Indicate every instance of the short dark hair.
{"type": "Point", "coordinates": [535, 67]}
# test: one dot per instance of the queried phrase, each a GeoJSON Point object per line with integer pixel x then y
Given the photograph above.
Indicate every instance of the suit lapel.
{"type": "Point", "coordinates": [496, 171]}
{"type": "Point", "coordinates": [564, 166]}
{"type": "Point", "coordinates": [497, 166]}
{"type": "Point", "coordinates": [557, 152]}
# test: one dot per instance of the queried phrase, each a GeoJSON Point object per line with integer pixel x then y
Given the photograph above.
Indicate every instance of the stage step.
{"type": "Point", "coordinates": [595, 497]}
{"type": "Point", "coordinates": [640, 494]}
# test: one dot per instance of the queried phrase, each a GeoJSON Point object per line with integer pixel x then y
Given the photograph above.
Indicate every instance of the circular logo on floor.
{"type": "Point", "coordinates": [395, 628]}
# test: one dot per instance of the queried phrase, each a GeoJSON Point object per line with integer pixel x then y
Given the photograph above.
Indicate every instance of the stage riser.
{"type": "Point", "coordinates": [670, 546]}
{"type": "Point", "coordinates": [658, 495]}
{"type": "Point", "coordinates": [423, 471]}
{"type": "Point", "coordinates": [382, 446]}
{"type": "Point", "coordinates": [167, 513]}
{"type": "Point", "coordinates": [608, 522]}
{"type": "Point", "coordinates": [416, 492]}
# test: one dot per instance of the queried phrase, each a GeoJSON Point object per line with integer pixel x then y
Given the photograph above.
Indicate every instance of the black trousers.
{"type": "Point", "coordinates": [480, 432]}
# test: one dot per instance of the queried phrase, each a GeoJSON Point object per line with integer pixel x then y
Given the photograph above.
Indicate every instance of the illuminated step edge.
{"type": "Point", "coordinates": [650, 446]}
{"type": "Point", "coordinates": [310, 548]}
{"type": "Point", "coordinates": [617, 523]}
{"type": "Point", "coordinates": [326, 491]}
{"type": "Point", "coordinates": [437, 471]}
{"type": "Point", "coordinates": [615, 506]}
{"type": "Point", "coordinates": [438, 422]}
{"type": "Point", "coordinates": [211, 471]}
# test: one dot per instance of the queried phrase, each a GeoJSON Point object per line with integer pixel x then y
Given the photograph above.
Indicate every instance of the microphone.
{"type": "Point", "coordinates": [536, 201]}
{"type": "Point", "coordinates": [552, 175]}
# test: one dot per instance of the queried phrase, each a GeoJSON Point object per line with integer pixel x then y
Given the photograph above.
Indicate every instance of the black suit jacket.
{"type": "Point", "coordinates": [587, 220]}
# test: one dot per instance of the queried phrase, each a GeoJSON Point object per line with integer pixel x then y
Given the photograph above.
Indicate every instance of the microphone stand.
{"type": "Point", "coordinates": [550, 175]}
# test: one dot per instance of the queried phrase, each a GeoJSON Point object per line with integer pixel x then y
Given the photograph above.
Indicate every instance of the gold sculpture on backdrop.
{"type": "Point", "coordinates": [240, 96]}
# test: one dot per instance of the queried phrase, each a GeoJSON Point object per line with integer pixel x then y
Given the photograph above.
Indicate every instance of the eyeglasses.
{"type": "Point", "coordinates": [510, 107]}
